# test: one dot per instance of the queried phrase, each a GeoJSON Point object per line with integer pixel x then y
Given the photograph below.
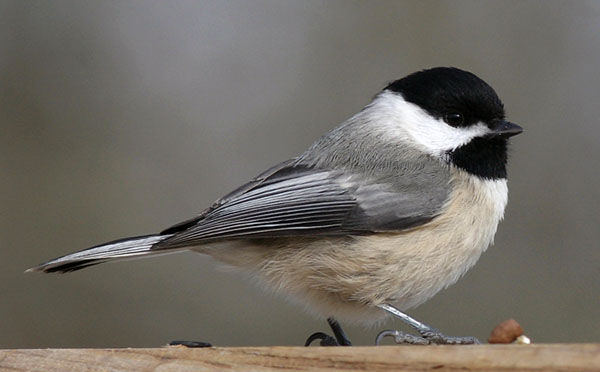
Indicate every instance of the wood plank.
{"type": "Point", "coordinates": [537, 357]}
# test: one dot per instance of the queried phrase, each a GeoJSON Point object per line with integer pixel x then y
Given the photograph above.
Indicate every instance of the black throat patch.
{"type": "Point", "coordinates": [483, 157]}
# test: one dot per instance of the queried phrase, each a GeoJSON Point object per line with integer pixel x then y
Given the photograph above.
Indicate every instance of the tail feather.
{"type": "Point", "coordinates": [135, 247]}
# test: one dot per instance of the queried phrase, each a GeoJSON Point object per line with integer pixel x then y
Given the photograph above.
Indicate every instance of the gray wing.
{"type": "Point", "coordinates": [296, 200]}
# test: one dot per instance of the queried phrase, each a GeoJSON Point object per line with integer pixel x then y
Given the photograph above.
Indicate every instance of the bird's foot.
{"type": "Point", "coordinates": [429, 335]}
{"type": "Point", "coordinates": [427, 338]}
{"type": "Point", "coordinates": [326, 340]}
{"type": "Point", "coordinates": [340, 338]}
{"type": "Point", "coordinates": [190, 343]}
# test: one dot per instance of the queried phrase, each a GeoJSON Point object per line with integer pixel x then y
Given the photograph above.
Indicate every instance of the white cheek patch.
{"type": "Point", "coordinates": [408, 121]}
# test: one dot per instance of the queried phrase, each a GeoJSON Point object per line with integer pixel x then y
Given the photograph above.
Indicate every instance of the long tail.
{"type": "Point", "coordinates": [134, 247]}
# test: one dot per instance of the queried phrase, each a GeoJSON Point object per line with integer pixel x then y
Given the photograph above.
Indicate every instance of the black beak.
{"type": "Point", "coordinates": [505, 129]}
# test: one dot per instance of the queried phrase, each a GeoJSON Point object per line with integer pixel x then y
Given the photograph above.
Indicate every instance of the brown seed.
{"type": "Point", "coordinates": [505, 332]}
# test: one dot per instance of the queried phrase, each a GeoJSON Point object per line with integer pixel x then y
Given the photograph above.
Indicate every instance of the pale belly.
{"type": "Point", "coordinates": [347, 277]}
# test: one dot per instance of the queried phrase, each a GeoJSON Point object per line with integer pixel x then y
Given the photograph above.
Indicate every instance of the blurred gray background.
{"type": "Point", "coordinates": [120, 118]}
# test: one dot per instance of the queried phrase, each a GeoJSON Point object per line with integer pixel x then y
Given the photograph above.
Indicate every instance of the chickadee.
{"type": "Point", "coordinates": [376, 217]}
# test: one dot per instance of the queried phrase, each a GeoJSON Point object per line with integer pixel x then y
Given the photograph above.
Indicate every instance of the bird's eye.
{"type": "Point", "coordinates": [454, 119]}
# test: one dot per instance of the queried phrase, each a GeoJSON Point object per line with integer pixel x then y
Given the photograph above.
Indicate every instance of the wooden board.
{"type": "Point", "coordinates": [537, 357]}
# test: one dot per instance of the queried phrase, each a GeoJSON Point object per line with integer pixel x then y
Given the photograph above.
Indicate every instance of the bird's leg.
{"type": "Point", "coordinates": [338, 332]}
{"type": "Point", "coordinates": [429, 335]}
{"type": "Point", "coordinates": [340, 337]}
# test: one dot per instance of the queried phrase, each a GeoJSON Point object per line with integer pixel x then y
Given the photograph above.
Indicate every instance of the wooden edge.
{"type": "Point", "coordinates": [537, 357]}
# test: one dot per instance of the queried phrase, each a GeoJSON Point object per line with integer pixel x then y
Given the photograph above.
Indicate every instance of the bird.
{"type": "Point", "coordinates": [373, 219]}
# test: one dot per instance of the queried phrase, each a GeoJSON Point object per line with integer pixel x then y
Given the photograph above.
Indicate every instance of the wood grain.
{"type": "Point", "coordinates": [539, 357]}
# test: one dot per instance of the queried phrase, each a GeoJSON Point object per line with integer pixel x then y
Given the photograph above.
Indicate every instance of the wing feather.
{"type": "Point", "coordinates": [297, 200]}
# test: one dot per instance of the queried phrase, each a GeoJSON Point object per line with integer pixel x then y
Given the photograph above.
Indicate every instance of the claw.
{"type": "Point", "coordinates": [442, 339]}
{"type": "Point", "coordinates": [401, 338]}
{"type": "Point", "coordinates": [340, 338]}
{"type": "Point", "coordinates": [326, 340]}
{"type": "Point", "coordinates": [429, 335]}
{"type": "Point", "coordinates": [426, 338]}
